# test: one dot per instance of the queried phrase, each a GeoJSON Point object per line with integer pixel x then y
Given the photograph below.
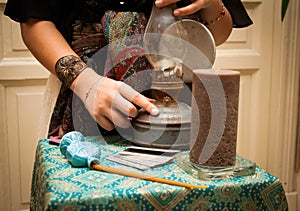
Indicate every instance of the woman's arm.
{"type": "Point", "coordinates": [211, 12]}
{"type": "Point", "coordinates": [45, 42]}
{"type": "Point", "coordinates": [108, 101]}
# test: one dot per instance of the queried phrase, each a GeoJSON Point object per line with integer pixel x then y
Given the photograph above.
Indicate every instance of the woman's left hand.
{"type": "Point", "coordinates": [212, 11]}
{"type": "Point", "coordinates": [195, 6]}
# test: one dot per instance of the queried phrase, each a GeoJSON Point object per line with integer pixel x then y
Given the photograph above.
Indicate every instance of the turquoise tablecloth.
{"type": "Point", "coordinates": [56, 185]}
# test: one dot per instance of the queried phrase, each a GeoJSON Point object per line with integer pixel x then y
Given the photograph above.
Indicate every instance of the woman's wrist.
{"type": "Point", "coordinates": [212, 14]}
{"type": "Point", "coordinates": [218, 20]}
{"type": "Point", "coordinates": [212, 21]}
{"type": "Point", "coordinates": [85, 84]}
{"type": "Point", "coordinates": [68, 68]}
{"type": "Point", "coordinates": [76, 75]}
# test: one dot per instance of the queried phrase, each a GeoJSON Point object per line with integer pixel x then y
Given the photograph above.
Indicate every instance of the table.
{"type": "Point", "coordinates": [56, 185]}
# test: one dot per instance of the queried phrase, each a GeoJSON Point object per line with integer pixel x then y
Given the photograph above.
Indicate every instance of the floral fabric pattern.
{"type": "Point", "coordinates": [56, 185]}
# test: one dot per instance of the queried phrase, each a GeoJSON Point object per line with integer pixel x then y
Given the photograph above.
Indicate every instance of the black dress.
{"type": "Point", "coordinates": [64, 12]}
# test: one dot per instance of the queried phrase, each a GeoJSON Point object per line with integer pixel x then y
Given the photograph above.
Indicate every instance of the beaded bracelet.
{"type": "Point", "coordinates": [68, 68]}
{"type": "Point", "coordinates": [87, 94]}
{"type": "Point", "coordinates": [222, 14]}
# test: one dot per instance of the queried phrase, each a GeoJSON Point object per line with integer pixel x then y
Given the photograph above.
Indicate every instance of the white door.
{"type": "Point", "coordinates": [249, 50]}
{"type": "Point", "coordinates": [267, 56]}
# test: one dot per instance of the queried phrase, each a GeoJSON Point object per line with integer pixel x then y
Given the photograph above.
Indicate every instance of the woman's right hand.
{"type": "Point", "coordinates": [108, 101]}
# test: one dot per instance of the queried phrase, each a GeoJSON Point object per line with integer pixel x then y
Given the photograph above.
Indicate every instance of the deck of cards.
{"type": "Point", "coordinates": [144, 158]}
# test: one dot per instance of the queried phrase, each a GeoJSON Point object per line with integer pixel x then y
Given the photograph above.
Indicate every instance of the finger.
{"type": "Point", "coordinates": [162, 3]}
{"type": "Point", "coordinates": [151, 100]}
{"type": "Point", "coordinates": [104, 122]}
{"type": "Point", "coordinates": [144, 103]}
{"type": "Point", "coordinates": [109, 120]}
{"type": "Point", "coordinates": [114, 117]}
{"type": "Point", "coordinates": [128, 92]}
{"type": "Point", "coordinates": [188, 10]}
{"type": "Point", "coordinates": [138, 99]}
{"type": "Point", "coordinates": [119, 120]}
{"type": "Point", "coordinates": [123, 105]}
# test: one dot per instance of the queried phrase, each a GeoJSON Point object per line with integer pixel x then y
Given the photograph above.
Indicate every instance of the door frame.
{"type": "Point", "coordinates": [285, 98]}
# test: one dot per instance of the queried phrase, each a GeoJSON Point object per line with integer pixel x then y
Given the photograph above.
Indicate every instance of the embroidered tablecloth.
{"type": "Point", "coordinates": [56, 185]}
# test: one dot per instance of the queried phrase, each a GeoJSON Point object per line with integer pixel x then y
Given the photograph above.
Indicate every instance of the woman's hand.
{"type": "Point", "coordinates": [192, 8]}
{"type": "Point", "coordinates": [114, 104]}
{"type": "Point", "coordinates": [210, 12]}
{"type": "Point", "coordinates": [108, 101]}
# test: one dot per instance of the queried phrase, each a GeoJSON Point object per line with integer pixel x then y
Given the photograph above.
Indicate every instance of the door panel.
{"type": "Point", "coordinates": [249, 51]}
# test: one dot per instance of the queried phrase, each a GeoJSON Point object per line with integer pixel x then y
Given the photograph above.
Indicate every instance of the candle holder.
{"type": "Point", "coordinates": [242, 167]}
{"type": "Point", "coordinates": [214, 127]}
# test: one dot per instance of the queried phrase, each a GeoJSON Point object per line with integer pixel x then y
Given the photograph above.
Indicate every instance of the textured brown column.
{"type": "Point", "coordinates": [214, 117]}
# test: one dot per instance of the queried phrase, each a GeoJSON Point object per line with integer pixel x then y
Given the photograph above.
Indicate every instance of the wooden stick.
{"type": "Point", "coordinates": [144, 177]}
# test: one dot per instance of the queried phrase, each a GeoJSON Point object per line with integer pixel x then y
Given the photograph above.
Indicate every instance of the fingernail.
{"type": "Point", "coordinates": [176, 13]}
{"type": "Point", "coordinates": [154, 111]}
{"type": "Point", "coordinates": [158, 2]}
